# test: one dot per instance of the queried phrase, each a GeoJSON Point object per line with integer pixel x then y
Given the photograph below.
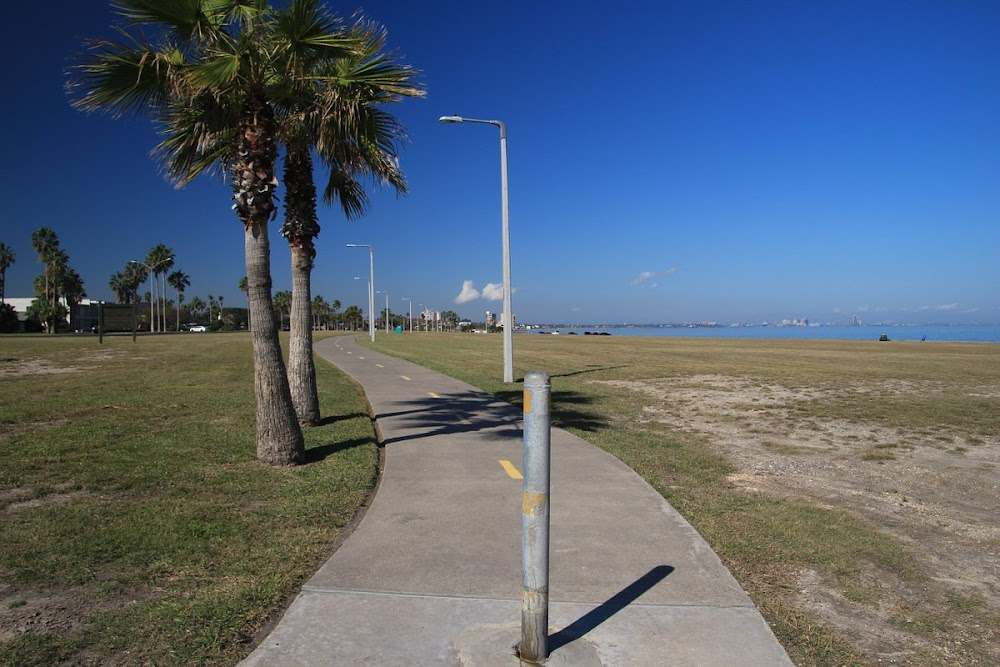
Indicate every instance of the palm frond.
{"type": "Point", "coordinates": [183, 20]}
{"type": "Point", "coordinates": [125, 77]}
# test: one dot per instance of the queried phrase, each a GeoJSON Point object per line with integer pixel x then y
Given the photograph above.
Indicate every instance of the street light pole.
{"type": "Point", "coordinates": [371, 284]}
{"type": "Point", "coordinates": [508, 320]}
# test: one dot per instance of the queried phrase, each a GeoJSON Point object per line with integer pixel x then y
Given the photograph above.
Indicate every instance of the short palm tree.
{"type": "Point", "coordinates": [209, 78]}
{"type": "Point", "coordinates": [7, 257]}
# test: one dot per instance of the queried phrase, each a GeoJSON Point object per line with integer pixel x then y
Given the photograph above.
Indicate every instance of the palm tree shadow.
{"type": "Point", "coordinates": [317, 454]}
{"type": "Point", "coordinates": [612, 606]}
{"type": "Point", "coordinates": [566, 408]}
{"type": "Point", "coordinates": [333, 419]}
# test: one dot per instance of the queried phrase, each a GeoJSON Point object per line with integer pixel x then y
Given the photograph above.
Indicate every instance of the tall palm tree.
{"type": "Point", "coordinates": [45, 242]}
{"type": "Point", "coordinates": [336, 111]}
{"type": "Point", "coordinates": [180, 281]}
{"type": "Point", "coordinates": [245, 288]}
{"type": "Point", "coordinates": [209, 77]}
{"type": "Point", "coordinates": [7, 257]}
{"type": "Point", "coordinates": [161, 258]}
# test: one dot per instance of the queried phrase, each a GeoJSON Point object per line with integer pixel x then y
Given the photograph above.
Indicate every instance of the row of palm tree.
{"type": "Point", "coordinates": [229, 82]}
{"type": "Point", "coordinates": [59, 287]}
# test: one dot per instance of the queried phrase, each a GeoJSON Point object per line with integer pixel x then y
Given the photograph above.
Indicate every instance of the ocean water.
{"type": "Point", "coordinates": [934, 332]}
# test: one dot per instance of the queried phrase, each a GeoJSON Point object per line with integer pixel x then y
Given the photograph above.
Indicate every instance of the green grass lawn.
{"type": "Point", "coordinates": [135, 525]}
{"type": "Point", "coordinates": [766, 540]}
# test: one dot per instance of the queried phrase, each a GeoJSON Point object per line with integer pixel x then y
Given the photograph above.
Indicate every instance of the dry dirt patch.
{"type": "Point", "coordinates": [938, 492]}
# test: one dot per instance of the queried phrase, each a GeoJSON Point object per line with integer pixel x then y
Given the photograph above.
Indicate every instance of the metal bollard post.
{"type": "Point", "coordinates": [535, 519]}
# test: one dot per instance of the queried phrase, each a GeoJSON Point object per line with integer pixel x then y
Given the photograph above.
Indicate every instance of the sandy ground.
{"type": "Point", "coordinates": [937, 493]}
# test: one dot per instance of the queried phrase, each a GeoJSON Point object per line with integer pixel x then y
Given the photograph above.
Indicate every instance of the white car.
{"type": "Point", "coordinates": [198, 328]}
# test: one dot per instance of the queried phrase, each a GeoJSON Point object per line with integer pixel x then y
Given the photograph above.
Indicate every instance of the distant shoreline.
{"type": "Point", "coordinates": [912, 332]}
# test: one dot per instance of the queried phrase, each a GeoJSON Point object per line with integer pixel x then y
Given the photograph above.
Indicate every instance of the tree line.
{"type": "Point", "coordinates": [239, 87]}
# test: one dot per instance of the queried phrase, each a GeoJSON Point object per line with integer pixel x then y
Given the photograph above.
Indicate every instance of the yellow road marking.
{"type": "Point", "coordinates": [380, 365]}
{"type": "Point", "coordinates": [464, 421]}
{"type": "Point", "coordinates": [510, 470]}
{"type": "Point", "coordinates": [405, 378]}
{"type": "Point", "coordinates": [361, 358]}
{"type": "Point", "coordinates": [433, 395]}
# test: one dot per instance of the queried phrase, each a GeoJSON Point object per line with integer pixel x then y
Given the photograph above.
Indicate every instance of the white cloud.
{"type": "Point", "coordinates": [493, 292]}
{"type": "Point", "coordinates": [947, 307]}
{"type": "Point", "coordinates": [469, 293]}
{"type": "Point", "coordinates": [645, 276]}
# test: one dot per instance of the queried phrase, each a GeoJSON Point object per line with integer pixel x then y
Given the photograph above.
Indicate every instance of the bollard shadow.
{"type": "Point", "coordinates": [566, 408]}
{"type": "Point", "coordinates": [606, 610]}
{"type": "Point", "coordinates": [590, 369]}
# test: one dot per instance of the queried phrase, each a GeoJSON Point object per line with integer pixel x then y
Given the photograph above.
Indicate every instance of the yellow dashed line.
{"type": "Point", "coordinates": [464, 421]}
{"type": "Point", "coordinates": [433, 395]}
{"type": "Point", "coordinates": [361, 358]}
{"type": "Point", "coordinates": [405, 378]}
{"type": "Point", "coordinates": [380, 365]}
{"type": "Point", "coordinates": [510, 470]}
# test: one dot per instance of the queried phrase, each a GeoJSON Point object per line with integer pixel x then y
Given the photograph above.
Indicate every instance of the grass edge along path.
{"type": "Point", "coordinates": [765, 541]}
{"type": "Point", "coordinates": [135, 525]}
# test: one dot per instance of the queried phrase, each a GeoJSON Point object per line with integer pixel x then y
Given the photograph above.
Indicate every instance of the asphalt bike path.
{"type": "Point", "coordinates": [432, 574]}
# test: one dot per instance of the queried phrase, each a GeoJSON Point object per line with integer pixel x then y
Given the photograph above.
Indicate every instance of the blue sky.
{"type": "Point", "coordinates": [668, 162]}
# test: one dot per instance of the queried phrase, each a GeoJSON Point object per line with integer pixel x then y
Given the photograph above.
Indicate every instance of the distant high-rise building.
{"type": "Point", "coordinates": [855, 321]}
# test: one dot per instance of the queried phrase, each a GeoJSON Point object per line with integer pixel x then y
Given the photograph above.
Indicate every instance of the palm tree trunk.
{"type": "Point", "coordinates": [279, 436]}
{"type": "Point", "coordinates": [301, 366]}
{"type": "Point", "coordinates": [301, 227]}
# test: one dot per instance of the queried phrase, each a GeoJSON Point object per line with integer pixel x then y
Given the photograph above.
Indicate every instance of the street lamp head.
{"type": "Point", "coordinates": [451, 119]}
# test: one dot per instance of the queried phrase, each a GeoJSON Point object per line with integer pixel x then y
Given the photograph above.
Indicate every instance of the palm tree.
{"type": "Point", "coordinates": [159, 260]}
{"type": "Point", "coordinates": [209, 78]}
{"type": "Point", "coordinates": [336, 110]}
{"type": "Point", "coordinates": [245, 288]}
{"type": "Point", "coordinates": [334, 307]}
{"type": "Point", "coordinates": [121, 286]}
{"type": "Point", "coordinates": [72, 289]}
{"type": "Point", "coordinates": [282, 303]}
{"type": "Point", "coordinates": [320, 311]}
{"type": "Point", "coordinates": [354, 316]}
{"type": "Point", "coordinates": [45, 243]}
{"type": "Point", "coordinates": [7, 257]}
{"type": "Point", "coordinates": [180, 281]}
{"type": "Point", "coordinates": [196, 306]}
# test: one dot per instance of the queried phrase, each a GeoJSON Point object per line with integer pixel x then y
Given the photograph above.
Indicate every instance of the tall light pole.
{"type": "Point", "coordinates": [410, 316]}
{"type": "Point", "coordinates": [371, 284]}
{"type": "Point", "coordinates": [150, 269]}
{"type": "Point", "coordinates": [508, 320]}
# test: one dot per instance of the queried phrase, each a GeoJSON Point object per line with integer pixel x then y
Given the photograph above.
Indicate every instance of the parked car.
{"type": "Point", "coordinates": [198, 328]}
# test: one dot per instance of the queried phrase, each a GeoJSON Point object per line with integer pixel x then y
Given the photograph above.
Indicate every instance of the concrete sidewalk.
{"type": "Point", "coordinates": [432, 574]}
